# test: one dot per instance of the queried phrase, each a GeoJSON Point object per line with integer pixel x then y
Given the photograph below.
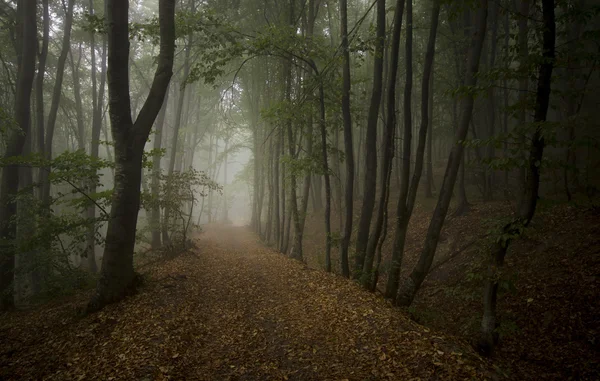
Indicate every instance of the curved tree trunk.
{"type": "Point", "coordinates": [117, 275]}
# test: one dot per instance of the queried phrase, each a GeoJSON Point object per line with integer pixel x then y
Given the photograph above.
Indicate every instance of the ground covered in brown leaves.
{"type": "Point", "coordinates": [550, 287]}
{"type": "Point", "coordinates": [232, 310]}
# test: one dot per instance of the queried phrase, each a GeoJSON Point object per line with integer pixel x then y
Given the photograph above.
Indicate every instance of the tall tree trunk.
{"type": "Point", "coordinates": [506, 103]}
{"type": "Point", "coordinates": [97, 116]}
{"type": "Point", "coordinates": [570, 176]}
{"type": "Point", "coordinates": [525, 213]}
{"type": "Point", "coordinates": [370, 274]}
{"type": "Point", "coordinates": [39, 83]}
{"type": "Point", "coordinates": [412, 284]}
{"type": "Point", "coordinates": [430, 183]}
{"type": "Point", "coordinates": [156, 170]}
{"type": "Point", "coordinates": [394, 273]}
{"type": "Point", "coordinates": [225, 163]}
{"type": "Point", "coordinates": [523, 49]}
{"type": "Point", "coordinates": [9, 185]}
{"type": "Point", "coordinates": [77, 96]}
{"type": "Point", "coordinates": [117, 275]}
{"type": "Point", "coordinates": [56, 95]}
{"type": "Point", "coordinates": [282, 190]}
{"type": "Point", "coordinates": [180, 102]}
{"type": "Point", "coordinates": [491, 105]}
{"type": "Point", "coordinates": [348, 144]}
{"type": "Point", "coordinates": [370, 175]}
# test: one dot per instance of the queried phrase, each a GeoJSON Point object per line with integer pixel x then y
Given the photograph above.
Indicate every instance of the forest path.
{"type": "Point", "coordinates": [233, 310]}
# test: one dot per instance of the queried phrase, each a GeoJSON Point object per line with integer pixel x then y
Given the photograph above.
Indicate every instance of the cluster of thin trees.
{"type": "Point", "coordinates": [356, 114]}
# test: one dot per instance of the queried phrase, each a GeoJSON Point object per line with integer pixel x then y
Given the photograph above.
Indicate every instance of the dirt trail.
{"type": "Point", "coordinates": [232, 310]}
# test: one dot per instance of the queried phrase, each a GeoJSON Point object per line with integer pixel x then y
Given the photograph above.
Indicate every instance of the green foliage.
{"type": "Point", "coordinates": [53, 238]}
{"type": "Point", "coordinates": [178, 194]}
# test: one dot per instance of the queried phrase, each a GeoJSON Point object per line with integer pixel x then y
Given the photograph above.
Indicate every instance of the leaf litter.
{"type": "Point", "coordinates": [232, 310]}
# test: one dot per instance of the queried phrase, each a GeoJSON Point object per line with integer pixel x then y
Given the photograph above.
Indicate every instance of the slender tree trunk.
{"type": "Point", "coordinates": [523, 49]}
{"type": "Point", "coordinates": [9, 185]}
{"type": "Point", "coordinates": [282, 190]}
{"type": "Point", "coordinates": [401, 219]}
{"type": "Point", "coordinates": [506, 95]}
{"type": "Point", "coordinates": [570, 176]}
{"type": "Point", "coordinates": [97, 116]}
{"type": "Point", "coordinates": [156, 171]}
{"type": "Point", "coordinates": [117, 276]}
{"type": "Point", "coordinates": [77, 96]}
{"type": "Point", "coordinates": [491, 106]}
{"type": "Point", "coordinates": [39, 83]}
{"type": "Point", "coordinates": [463, 205]}
{"type": "Point", "coordinates": [430, 183]}
{"type": "Point", "coordinates": [488, 336]}
{"type": "Point", "coordinates": [180, 103]}
{"type": "Point", "coordinates": [348, 144]}
{"type": "Point", "coordinates": [269, 225]}
{"type": "Point", "coordinates": [225, 206]}
{"type": "Point", "coordinates": [412, 284]}
{"type": "Point", "coordinates": [56, 95]}
{"type": "Point", "coordinates": [370, 175]}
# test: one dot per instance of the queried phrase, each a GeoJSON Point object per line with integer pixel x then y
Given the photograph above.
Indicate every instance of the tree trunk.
{"type": "Point", "coordinates": [370, 275]}
{"type": "Point", "coordinates": [488, 336]}
{"type": "Point", "coordinates": [56, 95]}
{"type": "Point", "coordinates": [156, 170]}
{"type": "Point", "coordinates": [523, 49]}
{"type": "Point", "coordinates": [491, 106]}
{"type": "Point", "coordinates": [394, 273]}
{"type": "Point", "coordinates": [9, 185]}
{"type": "Point", "coordinates": [430, 183]}
{"type": "Point", "coordinates": [39, 84]}
{"type": "Point", "coordinates": [97, 115]}
{"type": "Point", "coordinates": [348, 144]}
{"type": "Point", "coordinates": [370, 176]}
{"type": "Point", "coordinates": [77, 96]}
{"type": "Point", "coordinates": [412, 284]}
{"type": "Point", "coordinates": [117, 275]}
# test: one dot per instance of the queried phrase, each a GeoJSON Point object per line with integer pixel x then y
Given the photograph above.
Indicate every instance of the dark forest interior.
{"type": "Point", "coordinates": [299, 189]}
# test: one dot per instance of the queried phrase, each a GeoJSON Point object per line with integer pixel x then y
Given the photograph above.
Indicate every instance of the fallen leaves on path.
{"type": "Point", "coordinates": [232, 310]}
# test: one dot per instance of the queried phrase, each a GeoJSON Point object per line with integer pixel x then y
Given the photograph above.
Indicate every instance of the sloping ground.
{"type": "Point", "coordinates": [549, 305]}
{"type": "Point", "coordinates": [232, 310]}
{"type": "Point", "coordinates": [549, 300]}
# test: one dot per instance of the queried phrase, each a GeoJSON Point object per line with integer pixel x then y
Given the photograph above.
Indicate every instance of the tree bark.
{"type": "Point", "coordinates": [430, 183]}
{"type": "Point", "coordinates": [9, 185]}
{"type": "Point", "coordinates": [39, 81]}
{"type": "Point", "coordinates": [117, 275]}
{"type": "Point", "coordinates": [97, 116]}
{"type": "Point", "coordinates": [56, 95]}
{"type": "Point", "coordinates": [391, 123]}
{"type": "Point", "coordinates": [370, 175]}
{"type": "Point", "coordinates": [77, 96]}
{"type": "Point", "coordinates": [348, 144]}
{"type": "Point", "coordinates": [156, 170]}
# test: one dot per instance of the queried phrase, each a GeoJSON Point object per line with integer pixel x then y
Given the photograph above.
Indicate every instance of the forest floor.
{"type": "Point", "coordinates": [232, 310]}
{"type": "Point", "coordinates": [550, 285]}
